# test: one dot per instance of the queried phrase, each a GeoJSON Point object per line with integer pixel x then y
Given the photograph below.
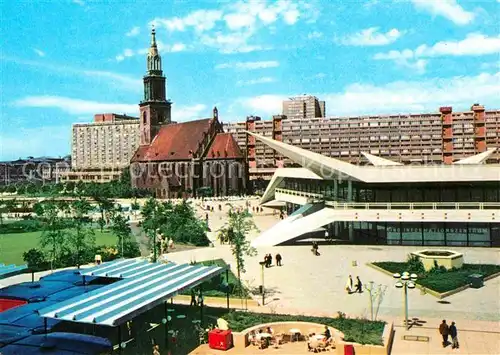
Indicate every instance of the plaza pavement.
{"type": "Point", "coordinates": [314, 285]}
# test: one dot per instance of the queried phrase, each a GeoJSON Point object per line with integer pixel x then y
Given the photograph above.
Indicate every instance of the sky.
{"type": "Point", "coordinates": [62, 61]}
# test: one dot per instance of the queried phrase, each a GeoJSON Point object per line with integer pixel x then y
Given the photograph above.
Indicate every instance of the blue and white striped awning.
{"type": "Point", "coordinates": [143, 286]}
{"type": "Point", "coordinates": [11, 270]}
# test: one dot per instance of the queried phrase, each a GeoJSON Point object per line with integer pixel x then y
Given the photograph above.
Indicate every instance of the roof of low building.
{"type": "Point", "coordinates": [224, 146]}
{"type": "Point", "coordinates": [174, 141]}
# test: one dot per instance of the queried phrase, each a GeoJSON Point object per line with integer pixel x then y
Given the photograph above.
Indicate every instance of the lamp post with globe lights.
{"type": "Point", "coordinates": [405, 281]}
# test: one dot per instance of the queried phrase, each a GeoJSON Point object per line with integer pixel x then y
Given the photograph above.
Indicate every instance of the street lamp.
{"type": "Point", "coordinates": [262, 264]}
{"type": "Point", "coordinates": [405, 282]}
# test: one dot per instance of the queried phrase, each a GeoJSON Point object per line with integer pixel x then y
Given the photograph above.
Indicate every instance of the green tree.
{"type": "Point", "coordinates": [240, 223]}
{"type": "Point", "coordinates": [152, 214]}
{"type": "Point", "coordinates": [121, 229]}
{"type": "Point", "coordinates": [35, 259]}
{"type": "Point", "coordinates": [53, 231]}
{"type": "Point", "coordinates": [81, 240]}
{"type": "Point", "coordinates": [134, 206]}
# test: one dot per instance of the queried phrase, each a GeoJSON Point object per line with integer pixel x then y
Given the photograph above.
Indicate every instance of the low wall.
{"type": "Point", "coordinates": [360, 349]}
{"type": "Point", "coordinates": [240, 339]}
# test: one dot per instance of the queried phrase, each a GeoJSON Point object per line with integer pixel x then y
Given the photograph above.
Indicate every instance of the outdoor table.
{"type": "Point", "coordinates": [170, 310]}
{"type": "Point", "coordinates": [319, 336]}
{"type": "Point", "coordinates": [181, 316]}
{"type": "Point", "coordinates": [264, 335]}
{"type": "Point", "coordinates": [295, 332]}
{"type": "Point", "coordinates": [196, 321]}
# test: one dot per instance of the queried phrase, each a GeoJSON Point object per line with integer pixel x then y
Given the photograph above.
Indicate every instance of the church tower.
{"type": "Point", "coordinates": [155, 109]}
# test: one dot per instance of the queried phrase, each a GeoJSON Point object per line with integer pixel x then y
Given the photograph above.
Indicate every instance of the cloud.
{"type": "Point", "coordinates": [121, 81]}
{"type": "Point", "coordinates": [188, 113]}
{"type": "Point", "coordinates": [263, 80]}
{"type": "Point", "coordinates": [449, 9]}
{"type": "Point", "coordinates": [39, 52]}
{"type": "Point", "coordinates": [314, 34]}
{"type": "Point", "coordinates": [76, 106]}
{"type": "Point", "coordinates": [80, 107]}
{"type": "Point", "coordinates": [416, 96]}
{"type": "Point", "coordinates": [133, 32]}
{"type": "Point", "coordinates": [263, 105]}
{"type": "Point", "coordinates": [474, 44]}
{"type": "Point", "coordinates": [231, 28]}
{"type": "Point", "coordinates": [249, 65]}
{"type": "Point", "coordinates": [178, 47]}
{"type": "Point", "coordinates": [199, 20]}
{"type": "Point", "coordinates": [40, 141]}
{"type": "Point", "coordinates": [79, 2]}
{"type": "Point", "coordinates": [371, 37]}
{"type": "Point", "coordinates": [394, 97]}
{"type": "Point", "coordinates": [162, 47]}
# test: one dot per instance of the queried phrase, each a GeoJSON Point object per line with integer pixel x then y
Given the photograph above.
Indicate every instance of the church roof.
{"type": "Point", "coordinates": [224, 146]}
{"type": "Point", "coordinates": [174, 142]}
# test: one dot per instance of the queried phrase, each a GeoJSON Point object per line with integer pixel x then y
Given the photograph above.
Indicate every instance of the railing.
{"type": "Point", "coordinates": [299, 193]}
{"type": "Point", "coordinates": [395, 205]}
{"type": "Point", "coordinates": [415, 205]}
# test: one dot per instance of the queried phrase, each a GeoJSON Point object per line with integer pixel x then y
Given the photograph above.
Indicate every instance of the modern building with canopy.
{"type": "Point", "coordinates": [140, 286]}
{"type": "Point", "coordinates": [384, 203]}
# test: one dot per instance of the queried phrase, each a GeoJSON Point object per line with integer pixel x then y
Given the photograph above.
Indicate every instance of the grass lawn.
{"type": "Point", "coordinates": [12, 246]}
{"type": "Point", "coordinates": [213, 286]}
{"type": "Point", "coordinates": [443, 281]}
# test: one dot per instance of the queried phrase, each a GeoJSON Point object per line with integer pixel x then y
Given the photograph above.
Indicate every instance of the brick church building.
{"type": "Point", "coordinates": [178, 159]}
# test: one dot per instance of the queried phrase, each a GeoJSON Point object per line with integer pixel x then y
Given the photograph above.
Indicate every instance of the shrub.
{"type": "Point", "coordinates": [36, 260]}
{"type": "Point", "coordinates": [22, 226]}
{"type": "Point", "coordinates": [414, 265]}
{"type": "Point", "coordinates": [361, 331]}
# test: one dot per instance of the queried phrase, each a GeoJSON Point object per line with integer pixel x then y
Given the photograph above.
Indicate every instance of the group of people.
{"type": "Point", "coordinates": [447, 331]}
{"type": "Point", "coordinates": [315, 344]}
{"type": "Point", "coordinates": [350, 287]}
{"type": "Point", "coordinates": [196, 301]}
{"type": "Point", "coordinates": [268, 260]}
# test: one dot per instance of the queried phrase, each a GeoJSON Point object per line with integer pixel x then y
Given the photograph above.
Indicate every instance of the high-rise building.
{"type": "Point", "coordinates": [103, 148]}
{"type": "Point", "coordinates": [428, 138]}
{"type": "Point", "coordinates": [305, 106]}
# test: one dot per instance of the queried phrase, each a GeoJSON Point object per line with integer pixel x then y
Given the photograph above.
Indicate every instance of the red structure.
{"type": "Point", "coordinates": [220, 339]}
{"type": "Point", "coordinates": [7, 303]}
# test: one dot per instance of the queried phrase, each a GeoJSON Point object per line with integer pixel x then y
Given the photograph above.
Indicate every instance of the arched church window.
{"type": "Point", "coordinates": [144, 117]}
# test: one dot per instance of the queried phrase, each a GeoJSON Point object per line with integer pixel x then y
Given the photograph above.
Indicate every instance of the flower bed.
{"type": "Point", "coordinates": [355, 330]}
{"type": "Point", "coordinates": [442, 280]}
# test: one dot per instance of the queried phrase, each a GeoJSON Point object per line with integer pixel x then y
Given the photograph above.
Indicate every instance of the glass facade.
{"type": "Point", "coordinates": [427, 234]}
{"type": "Point", "coordinates": [416, 233]}
{"type": "Point", "coordinates": [411, 192]}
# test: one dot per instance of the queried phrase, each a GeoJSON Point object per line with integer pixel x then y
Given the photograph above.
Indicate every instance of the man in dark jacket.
{"type": "Point", "coordinates": [453, 333]}
{"type": "Point", "coordinates": [444, 331]}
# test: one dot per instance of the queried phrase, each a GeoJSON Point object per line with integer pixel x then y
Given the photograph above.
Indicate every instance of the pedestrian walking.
{"type": "Point", "coordinates": [348, 285]}
{"type": "Point", "coordinates": [359, 285]}
{"type": "Point", "coordinates": [444, 331]}
{"type": "Point", "coordinates": [200, 299]}
{"type": "Point", "coordinates": [193, 298]}
{"type": "Point", "coordinates": [278, 259]}
{"type": "Point", "coordinates": [156, 349]}
{"type": "Point", "coordinates": [453, 334]}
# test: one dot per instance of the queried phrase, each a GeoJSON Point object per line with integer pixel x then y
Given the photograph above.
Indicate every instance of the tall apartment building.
{"type": "Point", "coordinates": [305, 106]}
{"type": "Point", "coordinates": [103, 148]}
{"type": "Point", "coordinates": [428, 138]}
